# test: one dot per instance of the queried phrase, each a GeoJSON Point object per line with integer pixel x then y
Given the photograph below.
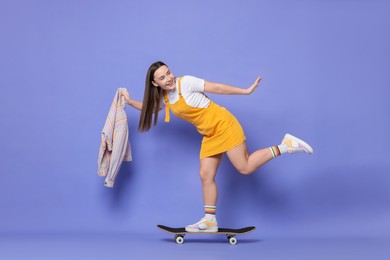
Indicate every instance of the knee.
{"type": "Point", "coordinates": [206, 176]}
{"type": "Point", "coordinates": [244, 170]}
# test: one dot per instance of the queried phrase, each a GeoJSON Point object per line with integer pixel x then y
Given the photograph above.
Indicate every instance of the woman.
{"type": "Point", "coordinates": [221, 131]}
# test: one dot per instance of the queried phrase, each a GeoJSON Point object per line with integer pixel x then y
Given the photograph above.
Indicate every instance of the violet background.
{"type": "Point", "coordinates": [325, 68]}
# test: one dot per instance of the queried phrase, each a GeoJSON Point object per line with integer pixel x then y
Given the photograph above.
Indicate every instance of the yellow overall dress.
{"type": "Point", "coordinates": [220, 129]}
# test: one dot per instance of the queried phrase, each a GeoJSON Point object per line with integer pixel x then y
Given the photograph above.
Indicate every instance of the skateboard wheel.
{"type": "Point", "coordinates": [232, 240]}
{"type": "Point", "coordinates": [179, 239]}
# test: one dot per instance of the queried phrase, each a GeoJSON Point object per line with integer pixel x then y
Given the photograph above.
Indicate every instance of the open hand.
{"type": "Point", "coordinates": [253, 86]}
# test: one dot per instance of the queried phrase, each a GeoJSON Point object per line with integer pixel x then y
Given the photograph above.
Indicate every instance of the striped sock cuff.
{"type": "Point", "coordinates": [210, 209]}
{"type": "Point", "coordinates": [275, 151]}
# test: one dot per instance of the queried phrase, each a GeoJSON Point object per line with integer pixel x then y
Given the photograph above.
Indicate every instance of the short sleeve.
{"type": "Point", "coordinates": [194, 84]}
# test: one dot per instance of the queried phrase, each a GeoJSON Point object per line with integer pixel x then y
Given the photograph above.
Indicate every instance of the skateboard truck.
{"type": "Point", "coordinates": [179, 238]}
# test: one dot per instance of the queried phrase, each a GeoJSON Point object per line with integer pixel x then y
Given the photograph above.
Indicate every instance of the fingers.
{"type": "Point", "coordinates": [258, 80]}
{"type": "Point", "coordinates": [254, 85]}
{"type": "Point", "coordinates": [127, 96]}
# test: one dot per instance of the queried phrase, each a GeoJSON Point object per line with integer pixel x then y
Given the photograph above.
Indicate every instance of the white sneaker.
{"type": "Point", "coordinates": [204, 225]}
{"type": "Point", "coordinates": [296, 145]}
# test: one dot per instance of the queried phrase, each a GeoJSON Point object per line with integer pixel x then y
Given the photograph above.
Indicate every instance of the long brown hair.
{"type": "Point", "coordinates": [152, 99]}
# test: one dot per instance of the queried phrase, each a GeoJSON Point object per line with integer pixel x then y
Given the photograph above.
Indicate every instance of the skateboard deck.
{"type": "Point", "coordinates": [229, 232]}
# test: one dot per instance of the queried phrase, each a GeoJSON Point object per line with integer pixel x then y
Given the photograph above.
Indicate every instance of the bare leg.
{"type": "Point", "coordinates": [245, 163]}
{"type": "Point", "coordinates": [208, 171]}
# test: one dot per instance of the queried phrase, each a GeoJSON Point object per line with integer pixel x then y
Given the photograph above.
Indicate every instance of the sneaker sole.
{"type": "Point", "coordinates": [306, 145]}
{"type": "Point", "coordinates": [193, 230]}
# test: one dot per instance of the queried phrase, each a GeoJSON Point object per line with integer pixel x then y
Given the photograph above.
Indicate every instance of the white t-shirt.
{"type": "Point", "coordinates": [192, 91]}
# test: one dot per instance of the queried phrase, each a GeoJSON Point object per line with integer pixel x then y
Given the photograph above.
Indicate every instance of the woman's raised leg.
{"type": "Point", "coordinates": [245, 163]}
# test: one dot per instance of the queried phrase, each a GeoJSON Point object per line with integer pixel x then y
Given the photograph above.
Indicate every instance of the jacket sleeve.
{"type": "Point", "coordinates": [107, 136]}
{"type": "Point", "coordinates": [103, 158]}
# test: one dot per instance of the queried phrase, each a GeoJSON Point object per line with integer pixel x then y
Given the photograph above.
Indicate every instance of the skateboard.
{"type": "Point", "coordinates": [229, 232]}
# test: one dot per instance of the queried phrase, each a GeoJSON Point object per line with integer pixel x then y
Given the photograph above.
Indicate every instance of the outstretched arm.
{"type": "Point", "coordinates": [132, 102]}
{"type": "Point", "coordinates": [219, 88]}
{"type": "Point", "coordinates": [136, 104]}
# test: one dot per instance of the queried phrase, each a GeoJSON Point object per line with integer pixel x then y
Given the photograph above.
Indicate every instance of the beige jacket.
{"type": "Point", "coordinates": [115, 146]}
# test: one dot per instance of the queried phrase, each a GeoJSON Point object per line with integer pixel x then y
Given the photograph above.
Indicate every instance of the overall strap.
{"type": "Point", "coordinates": [179, 84]}
{"type": "Point", "coordinates": [166, 100]}
{"type": "Point", "coordinates": [167, 115]}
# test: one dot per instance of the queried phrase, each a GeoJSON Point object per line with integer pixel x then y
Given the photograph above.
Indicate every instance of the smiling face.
{"type": "Point", "coordinates": [164, 79]}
